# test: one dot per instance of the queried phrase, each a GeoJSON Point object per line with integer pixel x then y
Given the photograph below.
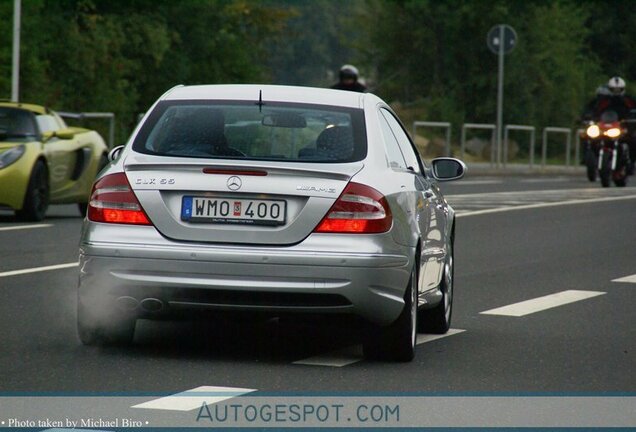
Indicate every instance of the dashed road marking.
{"type": "Point", "coordinates": [193, 399]}
{"type": "Point", "coordinates": [38, 269]}
{"type": "Point", "coordinates": [542, 303]}
{"type": "Point", "coordinates": [542, 205]}
{"type": "Point", "coordinates": [22, 227]}
{"type": "Point", "coordinates": [627, 279]}
{"type": "Point", "coordinates": [546, 180]}
{"type": "Point", "coordinates": [353, 354]}
{"type": "Point", "coordinates": [477, 182]}
{"type": "Point", "coordinates": [424, 338]}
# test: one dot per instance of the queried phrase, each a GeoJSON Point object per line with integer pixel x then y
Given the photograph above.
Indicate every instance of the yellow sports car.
{"type": "Point", "coordinates": [43, 161]}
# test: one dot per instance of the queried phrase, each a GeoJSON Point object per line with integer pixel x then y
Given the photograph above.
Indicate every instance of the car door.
{"type": "Point", "coordinates": [62, 155]}
{"type": "Point", "coordinates": [433, 226]}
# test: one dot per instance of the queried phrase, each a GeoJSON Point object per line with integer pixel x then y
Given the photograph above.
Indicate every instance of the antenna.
{"type": "Point", "coordinates": [260, 102]}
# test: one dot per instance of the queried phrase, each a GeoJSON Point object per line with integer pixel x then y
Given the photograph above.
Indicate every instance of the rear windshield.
{"type": "Point", "coordinates": [16, 124]}
{"type": "Point", "coordinates": [247, 130]}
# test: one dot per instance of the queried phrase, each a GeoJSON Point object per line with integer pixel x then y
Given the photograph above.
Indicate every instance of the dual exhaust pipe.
{"type": "Point", "coordinates": [131, 304]}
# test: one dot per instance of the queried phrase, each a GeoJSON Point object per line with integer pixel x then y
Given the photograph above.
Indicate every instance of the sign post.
{"type": "Point", "coordinates": [15, 68]}
{"type": "Point", "coordinates": [501, 40]}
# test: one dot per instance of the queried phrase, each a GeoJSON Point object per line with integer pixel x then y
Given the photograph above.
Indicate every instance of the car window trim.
{"type": "Point", "coordinates": [411, 143]}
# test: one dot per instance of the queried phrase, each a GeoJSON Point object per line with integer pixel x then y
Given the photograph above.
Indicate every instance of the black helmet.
{"type": "Point", "coordinates": [348, 72]}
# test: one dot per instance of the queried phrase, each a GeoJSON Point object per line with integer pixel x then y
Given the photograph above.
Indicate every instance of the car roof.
{"type": "Point", "coordinates": [272, 93]}
{"type": "Point", "coordinates": [38, 109]}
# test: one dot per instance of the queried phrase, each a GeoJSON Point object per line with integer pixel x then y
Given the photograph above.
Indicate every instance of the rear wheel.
{"type": "Point", "coordinates": [93, 329]}
{"type": "Point", "coordinates": [438, 319]}
{"type": "Point", "coordinates": [36, 200]}
{"type": "Point", "coordinates": [622, 171]}
{"type": "Point", "coordinates": [621, 182]}
{"type": "Point", "coordinates": [397, 341]}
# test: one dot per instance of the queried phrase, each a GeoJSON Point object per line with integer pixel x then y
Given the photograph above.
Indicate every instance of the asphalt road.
{"type": "Point", "coordinates": [564, 235]}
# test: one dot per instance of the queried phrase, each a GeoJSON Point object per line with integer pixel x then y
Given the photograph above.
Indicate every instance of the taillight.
{"type": "Point", "coordinates": [113, 201]}
{"type": "Point", "coordinates": [359, 209]}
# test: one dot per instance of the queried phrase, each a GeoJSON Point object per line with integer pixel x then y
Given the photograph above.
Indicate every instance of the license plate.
{"type": "Point", "coordinates": [233, 211]}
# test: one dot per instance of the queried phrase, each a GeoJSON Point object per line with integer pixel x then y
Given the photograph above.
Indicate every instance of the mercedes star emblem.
{"type": "Point", "coordinates": [234, 183]}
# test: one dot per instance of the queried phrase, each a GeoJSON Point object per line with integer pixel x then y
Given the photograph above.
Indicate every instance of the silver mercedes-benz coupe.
{"type": "Point", "coordinates": [270, 199]}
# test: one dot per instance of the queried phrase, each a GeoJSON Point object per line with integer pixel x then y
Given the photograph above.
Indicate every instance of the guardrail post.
{"type": "Point", "coordinates": [530, 129]}
{"type": "Point", "coordinates": [577, 150]}
{"type": "Point", "coordinates": [544, 146]}
{"type": "Point", "coordinates": [445, 125]}
{"type": "Point", "coordinates": [486, 126]}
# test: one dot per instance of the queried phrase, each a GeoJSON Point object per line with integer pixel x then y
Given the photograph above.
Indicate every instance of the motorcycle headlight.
{"type": "Point", "coordinates": [593, 131]}
{"type": "Point", "coordinates": [10, 156]}
{"type": "Point", "coordinates": [613, 132]}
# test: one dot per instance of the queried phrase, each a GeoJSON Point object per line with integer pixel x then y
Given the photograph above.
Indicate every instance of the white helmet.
{"type": "Point", "coordinates": [349, 71]}
{"type": "Point", "coordinates": [616, 85]}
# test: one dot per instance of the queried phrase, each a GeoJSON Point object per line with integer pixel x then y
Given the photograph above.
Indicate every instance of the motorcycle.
{"type": "Point", "coordinates": [608, 152]}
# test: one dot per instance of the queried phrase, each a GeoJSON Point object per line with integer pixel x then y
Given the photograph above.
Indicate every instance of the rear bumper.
{"type": "Point", "coordinates": [305, 278]}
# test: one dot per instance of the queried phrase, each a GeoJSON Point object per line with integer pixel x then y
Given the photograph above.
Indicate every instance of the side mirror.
{"type": "Point", "coordinates": [63, 134]}
{"type": "Point", "coordinates": [447, 169]}
{"type": "Point", "coordinates": [46, 136]}
{"type": "Point", "coordinates": [114, 153]}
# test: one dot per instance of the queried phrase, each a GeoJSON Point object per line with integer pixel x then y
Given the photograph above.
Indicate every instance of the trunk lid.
{"type": "Point", "coordinates": [236, 202]}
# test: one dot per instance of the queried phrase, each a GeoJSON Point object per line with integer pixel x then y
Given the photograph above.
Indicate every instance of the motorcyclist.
{"type": "Point", "coordinates": [612, 97]}
{"type": "Point", "coordinates": [348, 80]}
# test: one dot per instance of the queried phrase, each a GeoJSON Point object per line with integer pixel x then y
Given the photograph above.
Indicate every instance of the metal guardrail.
{"type": "Point", "coordinates": [95, 115]}
{"type": "Point", "coordinates": [445, 125]}
{"type": "Point", "coordinates": [484, 126]}
{"type": "Point", "coordinates": [496, 153]}
{"type": "Point", "coordinates": [526, 128]}
{"type": "Point", "coordinates": [577, 149]}
{"type": "Point", "coordinates": [568, 141]}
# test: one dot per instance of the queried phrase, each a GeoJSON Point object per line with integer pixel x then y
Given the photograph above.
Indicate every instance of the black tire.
{"type": "Point", "coordinates": [397, 341]}
{"type": "Point", "coordinates": [36, 200]}
{"type": "Point", "coordinates": [82, 206]}
{"type": "Point", "coordinates": [117, 330]}
{"type": "Point", "coordinates": [606, 170]}
{"type": "Point", "coordinates": [621, 182]}
{"type": "Point", "coordinates": [438, 319]}
{"type": "Point", "coordinates": [591, 165]}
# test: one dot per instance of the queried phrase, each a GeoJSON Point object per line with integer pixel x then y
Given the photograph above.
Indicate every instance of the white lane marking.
{"type": "Point", "coordinates": [628, 279]}
{"type": "Point", "coordinates": [38, 269]}
{"type": "Point", "coordinates": [21, 227]}
{"type": "Point", "coordinates": [477, 182]}
{"type": "Point", "coordinates": [192, 399]}
{"type": "Point", "coordinates": [542, 303]}
{"type": "Point", "coordinates": [546, 180]}
{"type": "Point", "coordinates": [353, 354]}
{"type": "Point", "coordinates": [424, 338]}
{"type": "Point", "coordinates": [542, 205]}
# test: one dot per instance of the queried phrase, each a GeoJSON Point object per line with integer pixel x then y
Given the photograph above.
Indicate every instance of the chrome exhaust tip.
{"type": "Point", "coordinates": [127, 303]}
{"type": "Point", "coordinates": [151, 305]}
